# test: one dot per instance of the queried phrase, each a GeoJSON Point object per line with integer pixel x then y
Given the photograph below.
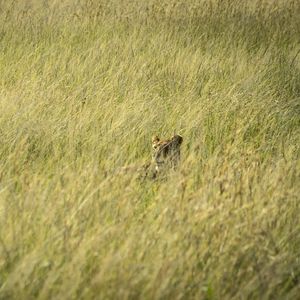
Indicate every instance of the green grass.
{"type": "Point", "coordinates": [83, 87]}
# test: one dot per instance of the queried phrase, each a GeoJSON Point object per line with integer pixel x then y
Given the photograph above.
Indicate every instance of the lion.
{"type": "Point", "coordinates": [166, 152]}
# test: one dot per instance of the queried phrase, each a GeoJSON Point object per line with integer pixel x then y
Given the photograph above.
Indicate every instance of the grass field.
{"type": "Point", "coordinates": [85, 84]}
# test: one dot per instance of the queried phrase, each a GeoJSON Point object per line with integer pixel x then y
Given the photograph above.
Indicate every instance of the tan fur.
{"type": "Point", "coordinates": [166, 152]}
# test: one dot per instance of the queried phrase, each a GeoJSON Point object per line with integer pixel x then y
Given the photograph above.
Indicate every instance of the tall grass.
{"type": "Point", "coordinates": [83, 87]}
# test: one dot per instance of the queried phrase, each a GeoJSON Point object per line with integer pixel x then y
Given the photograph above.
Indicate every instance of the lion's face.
{"type": "Point", "coordinates": [166, 152]}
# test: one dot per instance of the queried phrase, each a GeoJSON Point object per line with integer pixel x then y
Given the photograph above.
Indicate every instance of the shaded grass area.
{"type": "Point", "coordinates": [85, 85]}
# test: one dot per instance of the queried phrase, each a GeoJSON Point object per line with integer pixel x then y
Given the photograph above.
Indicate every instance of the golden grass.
{"type": "Point", "coordinates": [83, 87]}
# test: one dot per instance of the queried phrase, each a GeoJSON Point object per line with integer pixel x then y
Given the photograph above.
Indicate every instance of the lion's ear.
{"type": "Point", "coordinates": [178, 139]}
{"type": "Point", "coordinates": [155, 139]}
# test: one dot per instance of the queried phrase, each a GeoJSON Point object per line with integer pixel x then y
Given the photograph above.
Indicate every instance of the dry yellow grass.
{"type": "Point", "coordinates": [83, 87]}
